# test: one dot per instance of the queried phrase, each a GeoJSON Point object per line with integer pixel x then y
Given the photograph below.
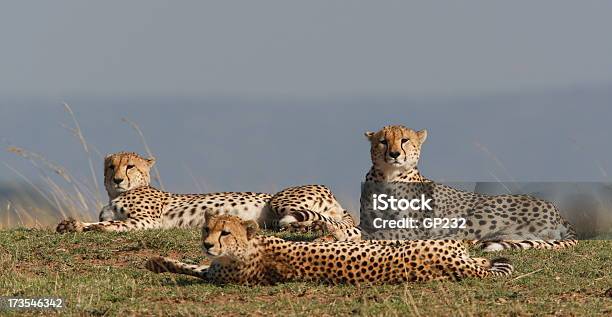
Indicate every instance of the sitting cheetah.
{"type": "Point", "coordinates": [496, 222]}
{"type": "Point", "coordinates": [133, 204]}
{"type": "Point", "coordinates": [240, 256]}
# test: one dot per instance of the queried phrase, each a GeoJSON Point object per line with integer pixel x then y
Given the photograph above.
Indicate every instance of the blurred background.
{"type": "Point", "coordinates": [261, 95]}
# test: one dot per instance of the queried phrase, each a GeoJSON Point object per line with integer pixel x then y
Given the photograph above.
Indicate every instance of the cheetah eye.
{"type": "Point", "coordinates": [404, 140]}
{"type": "Point", "coordinates": [130, 166]}
{"type": "Point", "coordinates": [112, 167]}
{"type": "Point", "coordinates": [224, 233]}
{"type": "Point", "coordinates": [383, 142]}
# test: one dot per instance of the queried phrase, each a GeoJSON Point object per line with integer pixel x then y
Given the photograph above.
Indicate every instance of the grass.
{"type": "Point", "coordinates": [103, 274]}
{"type": "Point", "coordinates": [55, 193]}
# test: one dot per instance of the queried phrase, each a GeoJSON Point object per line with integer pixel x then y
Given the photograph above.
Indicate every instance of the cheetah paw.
{"type": "Point", "coordinates": [317, 227]}
{"type": "Point", "coordinates": [69, 225]}
{"type": "Point", "coordinates": [94, 227]}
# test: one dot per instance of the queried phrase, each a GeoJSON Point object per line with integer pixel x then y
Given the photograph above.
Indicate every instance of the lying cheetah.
{"type": "Point", "coordinates": [309, 207]}
{"type": "Point", "coordinates": [133, 204]}
{"type": "Point", "coordinates": [240, 256]}
{"type": "Point", "coordinates": [495, 222]}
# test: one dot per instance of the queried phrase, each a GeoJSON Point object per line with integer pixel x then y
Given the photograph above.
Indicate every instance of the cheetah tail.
{"type": "Point", "coordinates": [310, 216]}
{"type": "Point", "coordinates": [497, 245]}
{"type": "Point", "coordinates": [163, 264]}
{"type": "Point", "coordinates": [501, 267]}
{"type": "Point", "coordinates": [494, 267]}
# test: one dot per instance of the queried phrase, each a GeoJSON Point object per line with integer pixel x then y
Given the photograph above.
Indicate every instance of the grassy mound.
{"type": "Point", "coordinates": [103, 274]}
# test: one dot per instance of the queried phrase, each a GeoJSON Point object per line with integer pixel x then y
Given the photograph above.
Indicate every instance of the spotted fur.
{"type": "Point", "coordinates": [134, 204]}
{"type": "Point", "coordinates": [240, 256]}
{"type": "Point", "coordinates": [514, 221]}
{"type": "Point", "coordinates": [304, 205]}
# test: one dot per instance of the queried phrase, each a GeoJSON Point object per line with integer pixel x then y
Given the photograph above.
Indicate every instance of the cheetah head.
{"type": "Point", "coordinates": [227, 235]}
{"type": "Point", "coordinates": [396, 147]}
{"type": "Point", "coordinates": [124, 171]}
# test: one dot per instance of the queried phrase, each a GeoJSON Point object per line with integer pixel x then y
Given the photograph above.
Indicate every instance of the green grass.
{"type": "Point", "coordinates": [102, 274]}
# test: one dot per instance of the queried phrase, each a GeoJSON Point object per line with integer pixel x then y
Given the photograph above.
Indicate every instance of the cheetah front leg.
{"type": "Point", "coordinates": [72, 225]}
{"type": "Point", "coordinates": [167, 265]}
{"type": "Point", "coordinates": [348, 234]}
{"type": "Point", "coordinates": [315, 226]}
{"type": "Point", "coordinates": [109, 213]}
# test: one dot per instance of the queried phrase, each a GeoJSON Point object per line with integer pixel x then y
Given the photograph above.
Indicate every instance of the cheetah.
{"type": "Point", "coordinates": [240, 256]}
{"type": "Point", "coordinates": [310, 207]}
{"type": "Point", "coordinates": [493, 222]}
{"type": "Point", "coordinates": [134, 204]}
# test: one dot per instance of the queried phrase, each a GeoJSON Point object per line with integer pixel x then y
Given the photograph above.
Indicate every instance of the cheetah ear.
{"type": "Point", "coordinates": [251, 228]}
{"type": "Point", "coordinates": [150, 161]}
{"type": "Point", "coordinates": [422, 135]}
{"type": "Point", "coordinates": [369, 135]}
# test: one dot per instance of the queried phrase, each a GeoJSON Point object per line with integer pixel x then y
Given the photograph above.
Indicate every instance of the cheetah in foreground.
{"type": "Point", "coordinates": [134, 204]}
{"type": "Point", "coordinates": [240, 256]}
{"type": "Point", "coordinates": [494, 222]}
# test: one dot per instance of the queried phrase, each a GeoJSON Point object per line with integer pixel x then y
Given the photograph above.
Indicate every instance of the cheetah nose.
{"type": "Point", "coordinates": [394, 154]}
{"type": "Point", "coordinates": [207, 245]}
{"type": "Point", "coordinates": [118, 180]}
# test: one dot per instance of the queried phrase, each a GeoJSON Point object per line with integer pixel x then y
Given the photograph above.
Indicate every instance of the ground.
{"type": "Point", "coordinates": [103, 274]}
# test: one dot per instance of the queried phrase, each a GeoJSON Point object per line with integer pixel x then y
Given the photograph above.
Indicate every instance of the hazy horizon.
{"type": "Point", "coordinates": [253, 144]}
{"type": "Point", "coordinates": [263, 95]}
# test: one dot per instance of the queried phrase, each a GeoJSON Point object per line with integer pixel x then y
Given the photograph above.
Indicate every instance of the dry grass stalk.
{"type": "Point", "coordinates": [147, 149]}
